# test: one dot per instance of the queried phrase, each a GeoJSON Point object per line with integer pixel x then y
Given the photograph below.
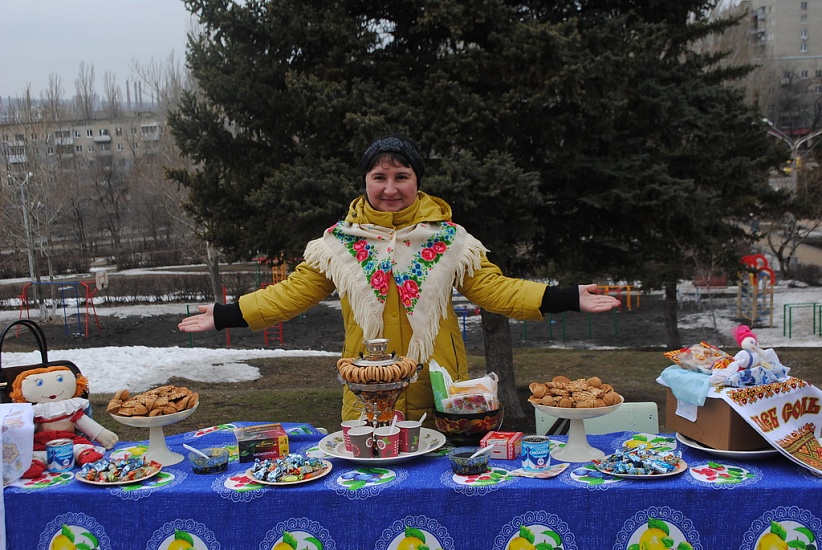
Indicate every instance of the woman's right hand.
{"type": "Point", "coordinates": [201, 322]}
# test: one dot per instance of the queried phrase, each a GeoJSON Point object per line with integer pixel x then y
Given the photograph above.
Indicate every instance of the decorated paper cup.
{"type": "Point", "coordinates": [362, 441]}
{"type": "Point", "coordinates": [409, 436]}
{"type": "Point", "coordinates": [347, 425]}
{"type": "Point", "coordinates": [387, 441]}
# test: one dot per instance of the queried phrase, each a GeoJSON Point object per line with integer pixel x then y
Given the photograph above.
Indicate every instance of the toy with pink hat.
{"type": "Point", "coordinates": [752, 366]}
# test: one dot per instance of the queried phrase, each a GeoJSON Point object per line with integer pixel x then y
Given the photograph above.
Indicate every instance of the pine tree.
{"type": "Point", "coordinates": [586, 136]}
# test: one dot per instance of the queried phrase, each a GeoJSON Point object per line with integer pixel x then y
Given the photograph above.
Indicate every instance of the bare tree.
{"type": "Point", "coordinates": [800, 221]}
{"type": "Point", "coordinates": [33, 167]}
{"type": "Point", "coordinates": [156, 202]}
{"type": "Point", "coordinates": [55, 109]}
{"type": "Point", "coordinates": [114, 98]}
{"type": "Point", "coordinates": [165, 80]}
{"type": "Point", "coordinates": [111, 194]}
{"type": "Point", "coordinates": [79, 212]}
{"type": "Point", "coordinates": [85, 97]}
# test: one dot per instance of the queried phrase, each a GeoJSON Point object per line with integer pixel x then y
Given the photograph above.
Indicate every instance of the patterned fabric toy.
{"type": "Point", "coordinates": [59, 412]}
{"type": "Point", "coordinates": [752, 366]}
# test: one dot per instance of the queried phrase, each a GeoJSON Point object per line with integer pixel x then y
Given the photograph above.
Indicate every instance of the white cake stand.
{"type": "Point", "coordinates": [158, 450]}
{"type": "Point", "coordinates": [576, 449]}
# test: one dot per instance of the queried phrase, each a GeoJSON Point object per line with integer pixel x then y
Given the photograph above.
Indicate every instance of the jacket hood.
{"type": "Point", "coordinates": [426, 208]}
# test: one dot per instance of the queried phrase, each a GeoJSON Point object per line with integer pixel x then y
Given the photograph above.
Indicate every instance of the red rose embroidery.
{"type": "Point", "coordinates": [411, 289]}
{"type": "Point", "coordinates": [379, 281]}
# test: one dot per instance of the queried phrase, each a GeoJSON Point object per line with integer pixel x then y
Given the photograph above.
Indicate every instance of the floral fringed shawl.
{"type": "Point", "coordinates": [426, 260]}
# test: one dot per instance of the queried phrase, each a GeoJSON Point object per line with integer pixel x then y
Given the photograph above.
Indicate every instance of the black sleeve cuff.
{"type": "Point", "coordinates": [228, 316]}
{"type": "Point", "coordinates": [557, 300]}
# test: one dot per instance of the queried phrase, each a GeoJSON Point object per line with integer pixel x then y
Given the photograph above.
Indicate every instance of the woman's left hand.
{"type": "Point", "coordinates": [591, 302]}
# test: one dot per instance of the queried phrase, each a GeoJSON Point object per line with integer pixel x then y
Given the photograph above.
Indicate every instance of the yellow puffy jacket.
{"type": "Point", "coordinates": [487, 288]}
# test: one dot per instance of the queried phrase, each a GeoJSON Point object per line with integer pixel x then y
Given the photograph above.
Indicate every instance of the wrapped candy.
{"type": "Point", "coordinates": [641, 460]}
{"type": "Point", "coordinates": [113, 471]}
{"type": "Point", "coordinates": [294, 467]}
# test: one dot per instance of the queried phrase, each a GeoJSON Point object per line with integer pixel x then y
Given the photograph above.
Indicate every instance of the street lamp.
{"type": "Point", "coordinates": [794, 145]}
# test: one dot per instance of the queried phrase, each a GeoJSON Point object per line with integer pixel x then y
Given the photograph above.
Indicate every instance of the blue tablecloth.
{"type": "Point", "coordinates": [717, 503]}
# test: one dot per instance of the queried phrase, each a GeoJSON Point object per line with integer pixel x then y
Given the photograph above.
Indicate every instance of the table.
{"type": "Point", "coordinates": [718, 502]}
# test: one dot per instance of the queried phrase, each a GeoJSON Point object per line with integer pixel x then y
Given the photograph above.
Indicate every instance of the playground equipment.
{"type": "Point", "coordinates": [787, 316]}
{"type": "Point", "coordinates": [278, 273]}
{"type": "Point", "coordinates": [754, 298]}
{"type": "Point", "coordinates": [72, 294]}
{"type": "Point", "coordinates": [617, 290]}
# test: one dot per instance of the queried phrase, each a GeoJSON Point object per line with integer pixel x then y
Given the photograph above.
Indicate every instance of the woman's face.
{"type": "Point", "coordinates": [390, 186]}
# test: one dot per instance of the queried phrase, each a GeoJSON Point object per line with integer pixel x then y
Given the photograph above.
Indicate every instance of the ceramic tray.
{"type": "Point", "coordinates": [333, 445]}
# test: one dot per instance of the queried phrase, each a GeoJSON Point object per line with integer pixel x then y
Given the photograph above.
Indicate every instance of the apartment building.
{"type": "Point", "coordinates": [117, 142]}
{"type": "Point", "coordinates": [786, 40]}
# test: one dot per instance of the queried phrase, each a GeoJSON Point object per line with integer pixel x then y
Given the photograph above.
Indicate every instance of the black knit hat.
{"type": "Point", "coordinates": [394, 143]}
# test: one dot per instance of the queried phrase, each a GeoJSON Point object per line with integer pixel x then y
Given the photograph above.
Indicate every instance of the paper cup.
{"type": "Point", "coordinates": [347, 425]}
{"type": "Point", "coordinates": [409, 436]}
{"type": "Point", "coordinates": [362, 441]}
{"type": "Point", "coordinates": [387, 441]}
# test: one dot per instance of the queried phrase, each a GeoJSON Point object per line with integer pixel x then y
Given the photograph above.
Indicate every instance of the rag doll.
{"type": "Point", "coordinates": [752, 366]}
{"type": "Point", "coordinates": [59, 412]}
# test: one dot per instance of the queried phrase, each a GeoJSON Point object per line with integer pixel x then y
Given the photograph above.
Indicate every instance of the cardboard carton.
{"type": "Point", "coordinates": [264, 441]}
{"type": "Point", "coordinates": [717, 426]}
{"type": "Point", "coordinates": [507, 445]}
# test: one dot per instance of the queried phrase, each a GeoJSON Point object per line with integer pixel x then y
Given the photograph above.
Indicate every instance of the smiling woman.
{"type": "Point", "coordinates": [394, 261]}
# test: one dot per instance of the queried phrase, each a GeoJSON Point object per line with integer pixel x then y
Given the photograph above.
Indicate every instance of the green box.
{"type": "Point", "coordinates": [264, 441]}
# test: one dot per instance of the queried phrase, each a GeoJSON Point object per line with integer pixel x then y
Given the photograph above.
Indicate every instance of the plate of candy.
{"type": "Point", "coordinates": [642, 463]}
{"type": "Point", "coordinates": [118, 472]}
{"type": "Point", "coordinates": [290, 470]}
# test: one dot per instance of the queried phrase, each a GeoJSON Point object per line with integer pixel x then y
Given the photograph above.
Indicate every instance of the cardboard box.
{"type": "Point", "coordinates": [507, 445]}
{"type": "Point", "coordinates": [264, 441]}
{"type": "Point", "coordinates": [717, 426]}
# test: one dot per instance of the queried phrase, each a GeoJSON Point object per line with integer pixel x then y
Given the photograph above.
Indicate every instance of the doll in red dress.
{"type": "Point", "coordinates": [59, 412]}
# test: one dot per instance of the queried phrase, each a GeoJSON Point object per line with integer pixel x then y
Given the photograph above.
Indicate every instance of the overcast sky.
{"type": "Point", "coordinates": [43, 37]}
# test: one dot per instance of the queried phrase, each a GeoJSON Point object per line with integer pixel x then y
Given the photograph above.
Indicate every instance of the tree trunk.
{"type": "Point", "coordinates": [499, 359]}
{"type": "Point", "coordinates": [669, 307]}
{"type": "Point", "coordinates": [213, 263]}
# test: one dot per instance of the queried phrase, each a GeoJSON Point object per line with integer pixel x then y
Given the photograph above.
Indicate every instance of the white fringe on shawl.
{"type": "Point", "coordinates": [461, 259]}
